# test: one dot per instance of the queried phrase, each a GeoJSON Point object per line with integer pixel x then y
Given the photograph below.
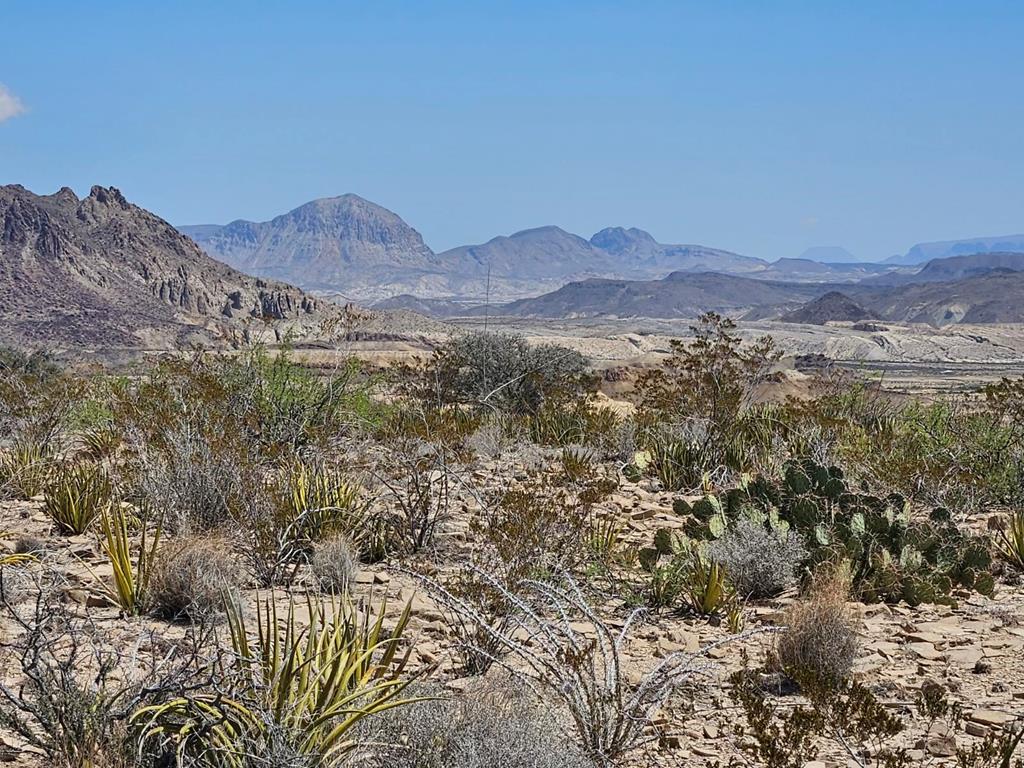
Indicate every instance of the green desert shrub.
{"type": "Point", "coordinates": [502, 371]}
{"type": "Point", "coordinates": [706, 386]}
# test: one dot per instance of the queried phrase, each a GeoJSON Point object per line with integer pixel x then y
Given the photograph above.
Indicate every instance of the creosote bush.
{"type": "Point", "coordinates": [499, 371]}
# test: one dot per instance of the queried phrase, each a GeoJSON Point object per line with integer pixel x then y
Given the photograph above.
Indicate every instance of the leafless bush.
{"type": "Point", "coordinates": [196, 482]}
{"type": "Point", "coordinates": [624, 441]}
{"type": "Point", "coordinates": [192, 578]}
{"type": "Point", "coordinates": [76, 690]}
{"type": "Point", "coordinates": [16, 583]}
{"type": "Point", "coordinates": [334, 564]}
{"type": "Point", "coordinates": [417, 480]}
{"type": "Point", "coordinates": [497, 726]}
{"type": "Point", "coordinates": [29, 545]}
{"type": "Point", "coordinates": [820, 643]}
{"type": "Point", "coordinates": [565, 651]}
{"type": "Point", "coordinates": [759, 562]}
{"type": "Point", "coordinates": [477, 616]}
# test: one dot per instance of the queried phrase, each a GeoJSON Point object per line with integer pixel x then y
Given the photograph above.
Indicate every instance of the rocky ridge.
{"type": "Point", "coordinates": [102, 271]}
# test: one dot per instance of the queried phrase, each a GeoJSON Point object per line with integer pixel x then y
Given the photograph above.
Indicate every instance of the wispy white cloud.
{"type": "Point", "coordinates": [10, 105]}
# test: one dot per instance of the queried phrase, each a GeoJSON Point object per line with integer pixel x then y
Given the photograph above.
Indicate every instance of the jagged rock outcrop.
{"type": "Point", "coordinates": [101, 271]}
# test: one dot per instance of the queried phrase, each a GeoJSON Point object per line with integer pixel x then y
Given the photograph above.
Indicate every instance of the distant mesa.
{"type": "Point", "coordinates": [828, 254]}
{"type": "Point", "coordinates": [923, 252]}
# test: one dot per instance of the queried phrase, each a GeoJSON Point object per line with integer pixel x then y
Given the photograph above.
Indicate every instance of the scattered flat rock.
{"type": "Point", "coordinates": [991, 717]}
{"type": "Point", "coordinates": [926, 651]}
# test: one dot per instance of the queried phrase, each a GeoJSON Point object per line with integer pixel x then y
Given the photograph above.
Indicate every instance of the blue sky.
{"type": "Point", "coordinates": [762, 127]}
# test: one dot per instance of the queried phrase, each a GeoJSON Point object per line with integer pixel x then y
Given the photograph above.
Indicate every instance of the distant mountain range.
{"type": "Point", "coordinates": [829, 254]}
{"type": "Point", "coordinates": [101, 272]}
{"type": "Point", "coordinates": [924, 252]}
{"type": "Point", "coordinates": [357, 249]}
{"type": "Point", "coordinates": [981, 288]}
{"type": "Point", "coordinates": [350, 248]}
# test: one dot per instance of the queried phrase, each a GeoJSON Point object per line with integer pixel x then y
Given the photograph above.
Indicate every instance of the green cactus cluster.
{"type": "Point", "coordinates": [892, 557]}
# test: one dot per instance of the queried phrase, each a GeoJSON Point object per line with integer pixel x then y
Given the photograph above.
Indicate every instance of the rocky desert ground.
{"type": "Point", "coordinates": [589, 565]}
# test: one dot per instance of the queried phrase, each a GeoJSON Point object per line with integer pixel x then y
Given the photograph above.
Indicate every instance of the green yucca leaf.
{"type": "Point", "coordinates": [314, 681]}
{"type": "Point", "coordinates": [131, 577]}
{"type": "Point", "coordinates": [1011, 540]}
{"type": "Point", "coordinates": [77, 496]}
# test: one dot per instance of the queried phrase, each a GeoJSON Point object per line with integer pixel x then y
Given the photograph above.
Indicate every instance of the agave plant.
{"type": "Point", "coordinates": [706, 590]}
{"type": "Point", "coordinates": [309, 685]}
{"type": "Point", "coordinates": [77, 496]}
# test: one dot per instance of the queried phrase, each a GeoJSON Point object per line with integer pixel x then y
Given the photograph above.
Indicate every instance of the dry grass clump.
{"type": "Point", "coordinates": [192, 578]}
{"type": "Point", "coordinates": [334, 564]}
{"type": "Point", "coordinates": [15, 584]}
{"type": "Point", "coordinates": [821, 642]}
{"type": "Point", "coordinates": [760, 562]}
{"type": "Point", "coordinates": [495, 726]}
{"type": "Point", "coordinates": [491, 439]}
{"type": "Point", "coordinates": [29, 545]}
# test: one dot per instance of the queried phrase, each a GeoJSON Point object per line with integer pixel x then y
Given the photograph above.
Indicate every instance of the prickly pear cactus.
{"type": "Point", "coordinates": [892, 558]}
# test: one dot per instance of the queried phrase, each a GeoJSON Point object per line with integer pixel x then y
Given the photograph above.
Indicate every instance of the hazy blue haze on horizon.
{"type": "Point", "coordinates": [761, 127]}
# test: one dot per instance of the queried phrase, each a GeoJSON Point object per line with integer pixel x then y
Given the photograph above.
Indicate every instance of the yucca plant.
{"type": "Point", "coordinates": [577, 463]}
{"type": "Point", "coordinates": [1011, 540]}
{"type": "Point", "coordinates": [324, 499]}
{"type": "Point", "coordinates": [24, 470]}
{"type": "Point", "coordinates": [679, 464]}
{"type": "Point", "coordinates": [604, 536]}
{"type": "Point", "coordinates": [77, 496]}
{"type": "Point", "coordinates": [99, 441]}
{"type": "Point", "coordinates": [308, 685]}
{"type": "Point", "coordinates": [131, 575]}
{"type": "Point", "coordinates": [666, 583]}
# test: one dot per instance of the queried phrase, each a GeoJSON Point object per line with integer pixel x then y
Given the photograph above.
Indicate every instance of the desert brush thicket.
{"type": "Point", "coordinates": [239, 508]}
